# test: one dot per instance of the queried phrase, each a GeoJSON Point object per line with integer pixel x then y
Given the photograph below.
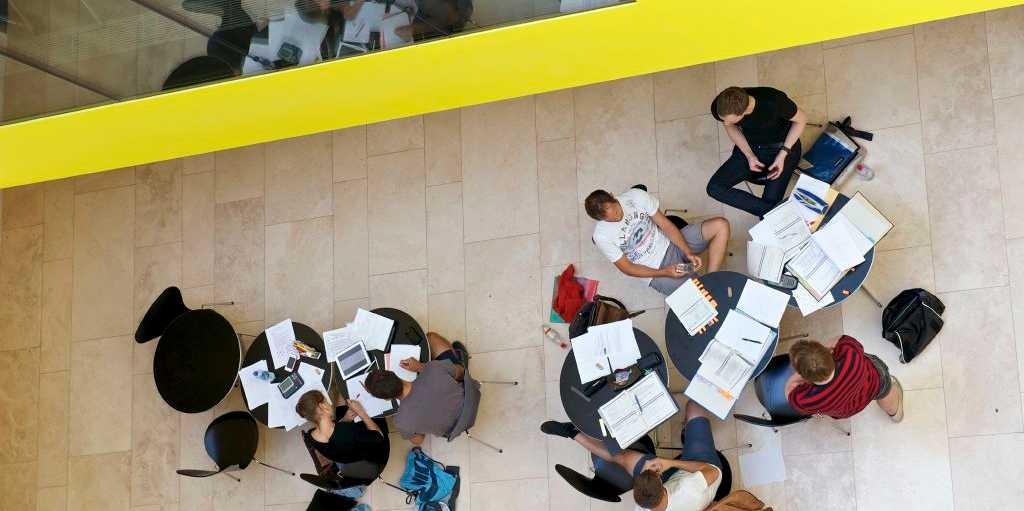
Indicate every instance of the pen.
{"type": "Point", "coordinates": [638, 405]}
{"type": "Point", "coordinates": [751, 340]}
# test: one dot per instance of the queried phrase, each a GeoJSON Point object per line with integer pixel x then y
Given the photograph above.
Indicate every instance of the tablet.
{"type": "Point", "coordinates": [353, 360]}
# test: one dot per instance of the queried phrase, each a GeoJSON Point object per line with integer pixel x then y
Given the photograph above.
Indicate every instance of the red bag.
{"type": "Point", "coordinates": [569, 297]}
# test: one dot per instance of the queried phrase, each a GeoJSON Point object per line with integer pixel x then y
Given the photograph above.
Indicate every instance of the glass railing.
{"type": "Point", "coordinates": [57, 55]}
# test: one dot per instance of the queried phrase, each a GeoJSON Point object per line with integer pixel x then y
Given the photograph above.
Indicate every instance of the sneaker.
{"type": "Point", "coordinates": [898, 416]}
{"type": "Point", "coordinates": [461, 353]}
{"type": "Point", "coordinates": [562, 429]}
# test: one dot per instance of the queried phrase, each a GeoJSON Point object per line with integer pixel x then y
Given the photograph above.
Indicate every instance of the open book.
{"type": "Point", "coordinates": [722, 374]}
{"type": "Point", "coordinates": [691, 306]}
{"type": "Point", "coordinates": [637, 410]}
{"type": "Point", "coordinates": [864, 217]}
{"type": "Point", "coordinates": [604, 349]}
{"type": "Point", "coordinates": [823, 261]}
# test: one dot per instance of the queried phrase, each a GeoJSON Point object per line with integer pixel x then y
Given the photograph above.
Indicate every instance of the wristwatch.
{"type": "Point", "coordinates": [784, 148]}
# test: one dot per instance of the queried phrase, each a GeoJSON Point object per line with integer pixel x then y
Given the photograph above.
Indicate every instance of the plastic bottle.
{"type": "Point", "coordinates": [864, 171]}
{"type": "Point", "coordinates": [266, 376]}
{"type": "Point", "coordinates": [555, 337]}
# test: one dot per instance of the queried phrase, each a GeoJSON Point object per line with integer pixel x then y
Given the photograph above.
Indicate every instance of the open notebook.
{"type": "Point", "coordinates": [692, 306]}
{"type": "Point", "coordinates": [635, 411]}
{"type": "Point", "coordinates": [831, 251]}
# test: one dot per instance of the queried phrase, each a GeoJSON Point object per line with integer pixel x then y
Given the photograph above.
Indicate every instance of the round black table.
{"type": "Point", "coordinates": [406, 330]}
{"type": "Point", "coordinates": [684, 349]}
{"type": "Point", "coordinates": [196, 361]}
{"type": "Point", "coordinates": [582, 413]}
{"type": "Point", "coordinates": [260, 350]}
{"type": "Point", "coordinates": [853, 280]}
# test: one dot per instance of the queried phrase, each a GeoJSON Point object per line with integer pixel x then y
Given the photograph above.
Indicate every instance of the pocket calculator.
{"type": "Point", "coordinates": [290, 385]}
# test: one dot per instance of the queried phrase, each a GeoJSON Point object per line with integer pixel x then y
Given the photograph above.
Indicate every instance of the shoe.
{"type": "Point", "coordinates": [898, 416]}
{"type": "Point", "coordinates": [461, 353]}
{"type": "Point", "coordinates": [562, 429]}
{"type": "Point", "coordinates": [213, 7]}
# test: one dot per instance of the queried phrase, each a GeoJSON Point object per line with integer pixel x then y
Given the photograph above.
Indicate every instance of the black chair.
{"type": "Point", "coordinates": [198, 70]}
{"type": "Point", "coordinates": [610, 480]}
{"type": "Point", "coordinates": [330, 477]}
{"type": "Point", "coordinates": [766, 383]}
{"type": "Point", "coordinates": [164, 310]}
{"type": "Point", "coordinates": [231, 440]}
{"type": "Point", "coordinates": [470, 399]}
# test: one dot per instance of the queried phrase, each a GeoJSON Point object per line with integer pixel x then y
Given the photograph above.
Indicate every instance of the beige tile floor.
{"type": "Point", "coordinates": [463, 218]}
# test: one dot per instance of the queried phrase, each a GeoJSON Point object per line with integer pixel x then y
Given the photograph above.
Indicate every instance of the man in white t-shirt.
{"type": "Point", "coordinates": [642, 242]}
{"type": "Point", "coordinates": [687, 483]}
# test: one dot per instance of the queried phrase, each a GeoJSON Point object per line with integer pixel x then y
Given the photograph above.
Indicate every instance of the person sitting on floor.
{"type": "Point", "coordinates": [432, 403]}
{"type": "Point", "coordinates": [642, 242]}
{"type": "Point", "coordinates": [686, 483]}
{"type": "Point", "coordinates": [839, 380]}
{"type": "Point", "coordinates": [765, 126]}
{"type": "Point", "coordinates": [337, 436]}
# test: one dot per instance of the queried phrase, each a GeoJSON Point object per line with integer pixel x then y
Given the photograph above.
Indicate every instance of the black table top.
{"type": "Point", "coordinates": [582, 413]}
{"type": "Point", "coordinates": [406, 330]}
{"type": "Point", "coordinates": [853, 279]}
{"type": "Point", "coordinates": [684, 349]}
{"type": "Point", "coordinates": [196, 361]}
{"type": "Point", "coordinates": [260, 350]}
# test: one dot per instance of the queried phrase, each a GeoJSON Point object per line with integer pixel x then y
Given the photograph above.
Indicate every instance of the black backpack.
{"type": "Point", "coordinates": [911, 321]}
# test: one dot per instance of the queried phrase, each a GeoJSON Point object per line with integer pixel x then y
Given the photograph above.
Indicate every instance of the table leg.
{"type": "Point", "coordinates": [871, 296]}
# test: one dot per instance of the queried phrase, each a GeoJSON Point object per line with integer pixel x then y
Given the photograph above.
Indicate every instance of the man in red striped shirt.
{"type": "Point", "coordinates": [839, 380]}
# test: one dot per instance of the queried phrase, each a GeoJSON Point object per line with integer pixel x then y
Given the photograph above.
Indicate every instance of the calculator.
{"type": "Point", "coordinates": [290, 385]}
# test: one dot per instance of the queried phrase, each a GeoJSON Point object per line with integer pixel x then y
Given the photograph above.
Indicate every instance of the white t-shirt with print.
{"type": "Point", "coordinates": [636, 236]}
{"type": "Point", "coordinates": [689, 491]}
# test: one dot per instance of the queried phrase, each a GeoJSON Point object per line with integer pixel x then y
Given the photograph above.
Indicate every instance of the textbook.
{"type": "Point", "coordinates": [635, 411]}
{"type": "Point", "coordinates": [823, 261]}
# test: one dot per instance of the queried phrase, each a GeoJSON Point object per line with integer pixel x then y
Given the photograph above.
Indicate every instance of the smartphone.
{"type": "Point", "coordinates": [788, 282]}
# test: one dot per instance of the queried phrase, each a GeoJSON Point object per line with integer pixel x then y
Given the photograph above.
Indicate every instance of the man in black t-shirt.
{"type": "Point", "coordinates": [765, 125]}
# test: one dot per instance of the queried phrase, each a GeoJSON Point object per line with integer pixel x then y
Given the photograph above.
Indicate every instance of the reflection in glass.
{"type": "Point", "coordinates": [57, 55]}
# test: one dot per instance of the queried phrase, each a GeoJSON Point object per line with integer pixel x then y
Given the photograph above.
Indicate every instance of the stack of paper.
{"type": "Point", "coordinates": [744, 335]}
{"type": "Point", "coordinates": [357, 392]}
{"type": "Point", "coordinates": [281, 411]}
{"type": "Point", "coordinates": [337, 341]}
{"type": "Point", "coordinates": [373, 329]}
{"type": "Point", "coordinates": [808, 303]}
{"type": "Point", "coordinates": [691, 307]}
{"type": "Point", "coordinates": [605, 348]}
{"type": "Point", "coordinates": [281, 340]}
{"type": "Point", "coordinates": [400, 352]}
{"type": "Point", "coordinates": [635, 411]}
{"type": "Point", "coordinates": [783, 227]}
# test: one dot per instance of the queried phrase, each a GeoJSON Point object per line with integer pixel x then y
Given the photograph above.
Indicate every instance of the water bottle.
{"type": "Point", "coordinates": [866, 173]}
{"type": "Point", "coordinates": [266, 376]}
{"type": "Point", "coordinates": [555, 337]}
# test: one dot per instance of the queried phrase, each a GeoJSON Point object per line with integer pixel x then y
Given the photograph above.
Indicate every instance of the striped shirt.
{"type": "Point", "coordinates": [855, 384]}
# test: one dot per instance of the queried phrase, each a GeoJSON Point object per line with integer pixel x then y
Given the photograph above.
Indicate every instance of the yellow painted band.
{"type": "Point", "coordinates": [512, 61]}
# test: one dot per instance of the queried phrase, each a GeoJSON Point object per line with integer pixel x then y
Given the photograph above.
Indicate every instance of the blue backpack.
{"type": "Point", "coordinates": [433, 486]}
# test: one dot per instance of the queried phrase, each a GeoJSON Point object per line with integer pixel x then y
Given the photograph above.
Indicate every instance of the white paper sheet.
{"type": "Point", "coordinates": [282, 411]}
{"type": "Point", "coordinates": [373, 329]}
{"type": "Point", "coordinates": [619, 342]}
{"type": "Point", "coordinates": [337, 341]}
{"type": "Point", "coordinates": [591, 361]}
{"type": "Point", "coordinates": [765, 465]}
{"type": "Point", "coordinates": [280, 339]}
{"type": "Point", "coordinates": [815, 269]}
{"type": "Point", "coordinates": [763, 303]}
{"type": "Point", "coordinates": [807, 302]}
{"type": "Point", "coordinates": [691, 307]}
{"type": "Point", "coordinates": [765, 261]}
{"type": "Point", "coordinates": [860, 242]}
{"type": "Point", "coordinates": [400, 352]}
{"type": "Point", "coordinates": [357, 391]}
{"type": "Point", "coordinates": [784, 227]}
{"type": "Point", "coordinates": [257, 391]}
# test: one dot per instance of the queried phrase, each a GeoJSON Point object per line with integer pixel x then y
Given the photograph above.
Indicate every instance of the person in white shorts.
{"type": "Point", "coordinates": [642, 242]}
